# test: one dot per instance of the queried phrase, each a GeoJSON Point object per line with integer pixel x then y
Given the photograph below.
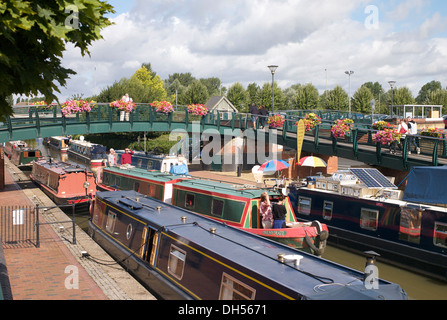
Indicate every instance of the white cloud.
{"type": "Point", "coordinates": [236, 40]}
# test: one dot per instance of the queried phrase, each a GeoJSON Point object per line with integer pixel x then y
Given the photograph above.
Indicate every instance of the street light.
{"type": "Point", "coordinates": [392, 84]}
{"type": "Point", "coordinates": [349, 73]}
{"type": "Point", "coordinates": [273, 70]}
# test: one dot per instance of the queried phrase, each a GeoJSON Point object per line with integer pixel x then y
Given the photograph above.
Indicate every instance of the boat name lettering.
{"type": "Point", "coordinates": [274, 233]}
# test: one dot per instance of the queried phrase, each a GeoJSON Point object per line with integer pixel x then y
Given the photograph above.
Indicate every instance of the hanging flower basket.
{"type": "Point", "coordinates": [276, 121]}
{"type": "Point", "coordinates": [76, 106]}
{"type": "Point", "coordinates": [162, 106]}
{"type": "Point", "coordinates": [341, 128]}
{"type": "Point", "coordinates": [381, 125]}
{"type": "Point", "coordinates": [433, 133]}
{"type": "Point", "coordinates": [198, 109]}
{"type": "Point", "coordinates": [42, 105]}
{"type": "Point", "coordinates": [387, 136]}
{"type": "Point", "coordinates": [311, 120]}
{"type": "Point", "coordinates": [121, 105]}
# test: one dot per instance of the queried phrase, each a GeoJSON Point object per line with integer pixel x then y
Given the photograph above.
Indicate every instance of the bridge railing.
{"type": "Point", "coordinates": [360, 137]}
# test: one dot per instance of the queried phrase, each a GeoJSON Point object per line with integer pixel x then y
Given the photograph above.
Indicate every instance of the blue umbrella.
{"type": "Point", "coordinates": [274, 165]}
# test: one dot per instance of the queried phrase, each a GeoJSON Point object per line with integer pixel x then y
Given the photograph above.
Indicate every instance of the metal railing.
{"type": "Point", "coordinates": [20, 225]}
{"type": "Point", "coordinates": [360, 136]}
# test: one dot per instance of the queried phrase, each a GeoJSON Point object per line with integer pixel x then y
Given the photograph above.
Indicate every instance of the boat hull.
{"type": "Point", "coordinates": [417, 252]}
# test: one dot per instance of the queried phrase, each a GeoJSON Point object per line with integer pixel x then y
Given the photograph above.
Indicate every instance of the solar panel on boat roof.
{"type": "Point", "coordinates": [373, 178]}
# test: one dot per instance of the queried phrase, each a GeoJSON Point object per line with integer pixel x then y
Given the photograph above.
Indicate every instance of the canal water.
{"type": "Point", "coordinates": [418, 287]}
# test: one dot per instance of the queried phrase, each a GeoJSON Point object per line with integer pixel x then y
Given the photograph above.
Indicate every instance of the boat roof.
{"type": "Point", "coordinates": [144, 174]}
{"type": "Point", "coordinates": [315, 278]}
{"type": "Point", "coordinates": [85, 143]}
{"type": "Point", "coordinates": [225, 188]}
{"type": "Point", "coordinates": [426, 185]}
{"type": "Point", "coordinates": [60, 167]}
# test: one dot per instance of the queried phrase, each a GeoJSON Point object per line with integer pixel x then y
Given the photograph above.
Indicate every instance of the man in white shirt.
{"type": "Point", "coordinates": [413, 131]}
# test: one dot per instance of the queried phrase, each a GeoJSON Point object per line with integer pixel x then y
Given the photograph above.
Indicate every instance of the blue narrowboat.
{"type": "Point", "coordinates": [178, 254]}
{"type": "Point", "coordinates": [407, 228]}
{"type": "Point", "coordinates": [88, 153]}
{"type": "Point", "coordinates": [157, 162]}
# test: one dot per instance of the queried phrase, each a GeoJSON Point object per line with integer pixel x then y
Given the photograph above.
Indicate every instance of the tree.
{"type": "Point", "coordinates": [151, 84]}
{"type": "Point", "coordinates": [213, 86]}
{"type": "Point", "coordinates": [438, 97]}
{"type": "Point", "coordinates": [238, 97]}
{"type": "Point", "coordinates": [266, 97]}
{"type": "Point", "coordinates": [361, 101]}
{"type": "Point", "coordinates": [403, 96]}
{"type": "Point", "coordinates": [380, 97]}
{"type": "Point", "coordinates": [337, 99]}
{"type": "Point", "coordinates": [254, 94]}
{"type": "Point", "coordinates": [307, 97]}
{"type": "Point", "coordinates": [194, 94]}
{"type": "Point", "coordinates": [33, 37]}
{"type": "Point", "coordinates": [426, 89]}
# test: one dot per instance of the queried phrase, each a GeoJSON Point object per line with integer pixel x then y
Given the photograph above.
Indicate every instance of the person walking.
{"type": "Point", "coordinates": [254, 114]}
{"type": "Point", "coordinates": [263, 116]}
{"type": "Point", "coordinates": [413, 132]}
{"type": "Point", "coordinates": [403, 130]}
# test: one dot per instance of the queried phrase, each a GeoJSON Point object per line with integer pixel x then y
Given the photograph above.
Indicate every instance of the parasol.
{"type": "Point", "coordinates": [313, 162]}
{"type": "Point", "coordinates": [274, 165]}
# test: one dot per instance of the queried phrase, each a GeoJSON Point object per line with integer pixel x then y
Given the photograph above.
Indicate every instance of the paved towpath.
{"type": "Point", "coordinates": [57, 270]}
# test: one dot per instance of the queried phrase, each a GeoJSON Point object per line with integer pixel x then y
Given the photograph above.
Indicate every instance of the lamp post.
{"type": "Point", "coordinates": [392, 84]}
{"type": "Point", "coordinates": [349, 73]}
{"type": "Point", "coordinates": [273, 70]}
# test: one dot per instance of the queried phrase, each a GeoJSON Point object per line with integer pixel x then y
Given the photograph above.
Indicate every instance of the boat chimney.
{"type": "Point", "coordinates": [183, 219]}
{"type": "Point", "coordinates": [213, 230]}
{"type": "Point", "coordinates": [159, 208]}
{"type": "Point", "coordinates": [371, 279]}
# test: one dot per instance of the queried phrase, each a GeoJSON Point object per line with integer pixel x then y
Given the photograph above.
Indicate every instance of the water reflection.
{"type": "Point", "coordinates": [418, 287]}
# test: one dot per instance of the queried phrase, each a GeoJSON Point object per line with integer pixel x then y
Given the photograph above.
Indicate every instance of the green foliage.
{"type": "Point", "coordinates": [33, 37]}
{"type": "Point", "coordinates": [361, 101]}
{"type": "Point", "coordinates": [161, 144]}
{"type": "Point", "coordinates": [238, 97]}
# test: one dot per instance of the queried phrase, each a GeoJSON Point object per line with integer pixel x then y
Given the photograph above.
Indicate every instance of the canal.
{"type": "Point", "coordinates": [417, 286]}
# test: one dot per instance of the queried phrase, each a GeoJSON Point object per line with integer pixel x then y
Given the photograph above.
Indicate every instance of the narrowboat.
{"type": "Point", "coordinates": [180, 255]}
{"type": "Point", "coordinates": [59, 143]}
{"type": "Point", "coordinates": [364, 210]}
{"type": "Point", "coordinates": [10, 146]}
{"type": "Point", "coordinates": [20, 154]}
{"type": "Point", "coordinates": [24, 157]}
{"type": "Point", "coordinates": [87, 153]}
{"type": "Point", "coordinates": [235, 205]}
{"type": "Point", "coordinates": [158, 162]}
{"type": "Point", "coordinates": [154, 184]}
{"type": "Point", "coordinates": [64, 183]}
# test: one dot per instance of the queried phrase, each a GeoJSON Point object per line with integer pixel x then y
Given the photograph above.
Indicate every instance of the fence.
{"type": "Point", "coordinates": [21, 225]}
{"type": "Point", "coordinates": [17, 225]}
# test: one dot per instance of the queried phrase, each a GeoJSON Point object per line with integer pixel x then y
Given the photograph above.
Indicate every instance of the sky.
{"type": "Point", "coordinates": [312, 41]}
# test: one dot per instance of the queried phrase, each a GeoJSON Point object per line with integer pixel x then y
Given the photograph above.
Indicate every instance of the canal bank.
{"type": "Point", "coordinates": [58, 269]}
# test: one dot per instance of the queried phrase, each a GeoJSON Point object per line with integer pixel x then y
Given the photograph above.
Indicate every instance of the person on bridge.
{"type": "Point", "coordinates": [403, 130]}
{"type": "Point", "coordinates": [263, 116]}
{"type": "Point", "coordinates": [126, 157]}
{"type": "Point", "coordinates": [413, 131]}
{"type": "Point", "coordinates": [254, 114]}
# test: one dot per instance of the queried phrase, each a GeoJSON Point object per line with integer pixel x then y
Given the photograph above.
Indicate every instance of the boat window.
{"type": "Point", "coordinates": [189, 201]}
{"type": "Point", "coordinates": [136, 186]}
{"type": "Point", "coordinates": [140, 161]}
{"type": "Point", "coordinates": [150, 165]}
{"type": "Point", "coordinates": [176, 263]}
{"type": "Point", "coordinates": [217, 207]}
{"type": "Point", "coordinates": [440, 238]}
{"type": "Point", "coordinates": [328, 208]}
{"type": "Point", "coordinates": [110, 225]}
{"type": "Point", "coordinates": [232, 289]}
{"type": "Point", "coordinates": [410, 224]}
{"type": "Point", "coordinates": [304, 205]}
{"type": "Point", "coordinates": [129, 231]}
{"type": "Point", "coordinates": [369, 219]}
{"type": "Point", "coordinates": [31, 154]}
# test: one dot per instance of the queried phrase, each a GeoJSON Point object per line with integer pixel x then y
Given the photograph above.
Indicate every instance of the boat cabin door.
{"type": "Point", "coordinates": [167, 198]}
{"type": "Point", "coordinates": [410, 224]}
